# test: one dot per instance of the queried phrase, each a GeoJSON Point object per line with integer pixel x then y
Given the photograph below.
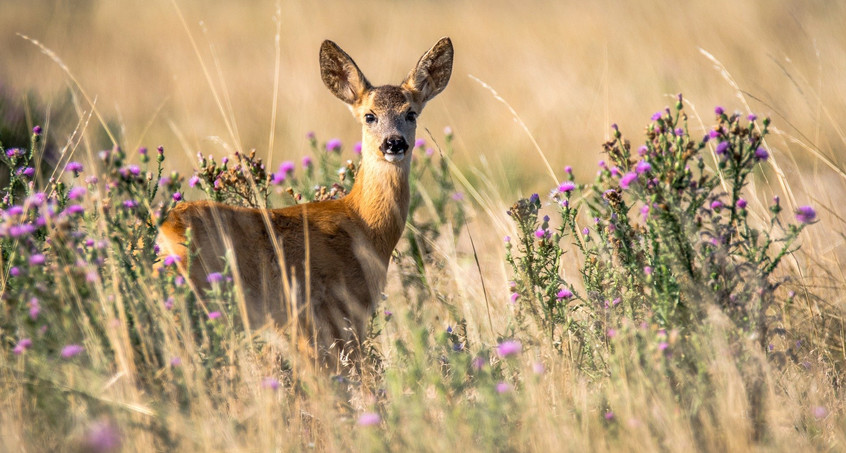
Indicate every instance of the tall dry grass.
{"type": "Point", "coordinates": [568, 70]}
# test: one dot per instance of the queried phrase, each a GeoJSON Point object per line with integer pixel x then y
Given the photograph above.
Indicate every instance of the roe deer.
{"type": "Point", "coordinates": [334, 253]}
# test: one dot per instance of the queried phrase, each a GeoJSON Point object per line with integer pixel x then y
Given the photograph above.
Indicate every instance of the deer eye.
{"type": "Point", "coordinates": [411, 116]}
{"type": "Point", "coordinates": [370, 118]}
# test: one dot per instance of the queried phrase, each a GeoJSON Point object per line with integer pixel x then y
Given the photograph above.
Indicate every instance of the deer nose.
{"type": "Point", "coordinates": [394, 144]}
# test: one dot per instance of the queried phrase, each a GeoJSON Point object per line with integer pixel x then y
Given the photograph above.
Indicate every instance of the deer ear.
{"type": "Point", "coordinates": [340, 73]}
{"type": "Point", "coordinates": [432, 72]}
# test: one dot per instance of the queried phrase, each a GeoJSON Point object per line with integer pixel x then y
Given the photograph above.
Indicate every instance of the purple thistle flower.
{"type": "Point", "coordinates": [22, 346]}
{"type": "Point", "coordinates": [102, 437]}
{"type": "Point", "coordinates": [278, 178]}
{"type": "Point", "coordinates": [627, 179]}
{"type": "Point", "coordinates": [27, 171]}
{"type": "Point", "coordinates": [713, 133]}
{"type": "Point", "coordinates": [805, 214]}
{"type": "Point", "coordinates": [662, 346]}
{"type": "Point", "coordinates": [310, 135]}
{"type": "Point", "coordinates": [509, 348]}
{"type": "Point", "coordinates": [564, 294]}
{"type": "Point", "coordinates": [478, 363]}
{"type": "Point", "coordinates": [679, 132]}
{"type": "Point", "coordinates": [214, 315]}
{"type": "Point", "coordinates": [37, 199]}
{"type": "Point", "coordinates": [647, 270]}
{"type": "Point", "coordinates": [357, 148]}
{"type": "Point", "coordinates": [716, 204]}
{"type": "Point", "coordinates": [214, 277]}
{"type": "Point", "coordinates": [270, 383]}
{"type": "Point", "coordinates": [609, 415]}
{"type": "Point", "coordinates": [36, 130]}
{"type": "Point", "coordinates": [566, 186]}
{"type": "Point", "coordinates": [540, 233]}
{"type": "Point", "coordinates": [430, 152]}
{"type": "Point", "coordinates": [656, 116]}
{"type": "Point", "coordinates": [193, 181]}
{"type": "Point", "coordinates": [77, 192]}
{"type": "Point", "coordinates": [741, 203]}
{"type": "Point", "coordinates": [17, 231]}
{"type": "Point", "coordinates": [752, 117]}
{"type": "Point", "coordinates": [644, 212]}
{"type": "Point", "coordinates": [819, 412]}
{"type": "Point", "coordinates": [74, 209]}
{"type": "Point", "coordinates": [37, 259]}
{"type": "Point", "coordinates": [611, 333]}
{"type": "Point", "coordinates": [15, 271]}
{"type": "Point", "coordinates": [503, 387]}
{"type": "Point", "coordinates": [369, 419]}
{"type": "Point", "coordinates": [15, 210]}
{"type": "Point", "coordinates": [719, 110]}
{"type": "Point", "coordinates": [507, 239]}
{"type": "Point", "coordinates": [721, 148]}
{"type": "Point", "coordinates": [160, 150]}
{"type": "Point", "coordinates": [568, 169]}
{"type": "Point", "coordinates": [34, 308]}
{"type": "Point", "coordinates": [448, 131]}
{"type": "Point", "coordinates": [142, 150]}
{"type": "Point", "coordinates": [538, 368]}
{"type": "Point", "coordinates": [306, 162]}
{"type": "Point", "coordinates": [130, 204]}
{"type": "Point", "coordinates": [333, 145]}
{"type": "Point", "coordinates": [642, 150]}
{"type": "Point", "coordinates": [585, 231]}
{"type": "Point", "coordinates": [171, 260]}
{"type": "Point", "coordinates": [286, 167]}
{"type": "Point", "coordinates": [534, 198]}
{"type": "Point", "coordinates": [514, 297]}
{"type": "Point", "coordinates": [761, 154]}
{"type": "Point", "coordinates": [643, 167]}
{"type": "Point", "coordinates": [177, 196]}
{"type": "Point", "coordinates": [457, 196]}
{"type": "Point", "coordinates": [175, 362]}
{"type": "Point", "coordinates": [75, 167]}
{"type": "Point", "coordinates": [419, 143]}
{"type": "Point", "coordinates": [71, 350]}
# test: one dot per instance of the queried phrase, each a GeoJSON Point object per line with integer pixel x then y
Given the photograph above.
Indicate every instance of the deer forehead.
{"type": "Point", "coordinates": [387, 99]}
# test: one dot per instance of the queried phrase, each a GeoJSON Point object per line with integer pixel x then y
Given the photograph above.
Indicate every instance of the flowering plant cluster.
{"type": "Point", "coordinates": [244, 179]}
{"type": "Point", "coordinates": [662, 234]}
{"type": "Point", "coordinates": [83, 237]}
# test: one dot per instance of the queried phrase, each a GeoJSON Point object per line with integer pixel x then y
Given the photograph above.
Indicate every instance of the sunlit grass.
{"type": "Point", "coordinates": [100, 350]}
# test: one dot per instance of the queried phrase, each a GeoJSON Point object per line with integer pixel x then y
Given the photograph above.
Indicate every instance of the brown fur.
{"type": "Point", "coordinates": [335, 253]}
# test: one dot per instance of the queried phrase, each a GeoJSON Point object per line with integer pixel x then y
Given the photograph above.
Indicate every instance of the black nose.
{"type": "Point", "coordinates": [394, 145]}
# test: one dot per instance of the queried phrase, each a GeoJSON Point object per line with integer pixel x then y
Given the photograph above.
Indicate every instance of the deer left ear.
{"type": "Point", "coordinates": [340, 73]}
{"type": "Point", "coordinates": [431, 74]}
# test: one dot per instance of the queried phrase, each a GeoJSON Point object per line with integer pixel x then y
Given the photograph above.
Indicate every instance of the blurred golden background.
{"type": "Point", "coordinates": [569, 70]}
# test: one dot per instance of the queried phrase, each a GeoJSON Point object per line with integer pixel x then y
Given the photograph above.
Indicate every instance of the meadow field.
{"type": "Point", "coordinates": [624, 234]}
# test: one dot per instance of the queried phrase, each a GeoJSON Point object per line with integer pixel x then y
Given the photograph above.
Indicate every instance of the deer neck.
{"type": "Point", "coordinates": [380, 197]}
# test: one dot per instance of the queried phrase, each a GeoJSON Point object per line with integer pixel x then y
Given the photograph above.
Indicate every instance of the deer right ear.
{"type": "Point", "coordinates": [431, 74]}
{"type": "Point", "coordinates": [340, 73]}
